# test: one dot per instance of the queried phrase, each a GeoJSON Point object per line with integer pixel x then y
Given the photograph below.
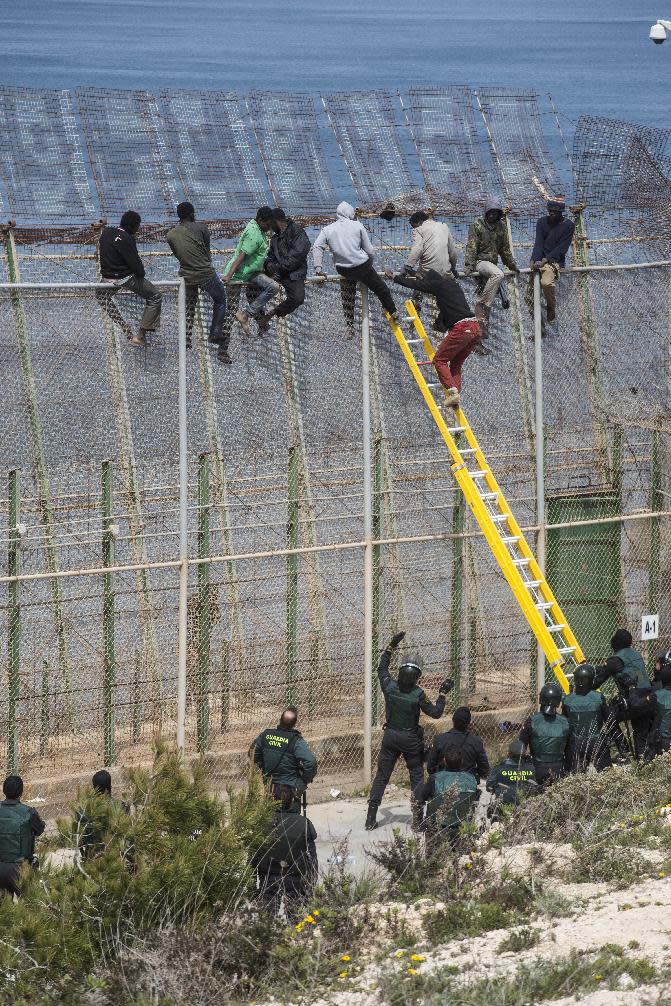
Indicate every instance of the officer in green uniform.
{"type": "Point", "coordinates": [587, 713]}
{"type": "Point", "coordinates": [19, 827]}
{"type": "Point", "coordinates": [404, 701]}
{"type": "Point", "coordinates": [451, 796]}
{"type": "Point", "coordinates": [546, 735]}
{"type": "Point", "coordinates": [512, 779]}
{"type": "Point", "coordinates": [632, 659]}
{"type": "Point", "coordinates": [94, 821]}
{"type": "Point", "coordinates": [662, 724]}
{"type": "Point", "coordinates": [662, 659]}
{"type": "Point", "coordinates": [283, 756]}
{"type": "Point", "coordinates": [286, 862]}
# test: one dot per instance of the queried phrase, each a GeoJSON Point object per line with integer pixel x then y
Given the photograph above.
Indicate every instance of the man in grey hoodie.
{"type": "Point", "coordinates": [352, 250]}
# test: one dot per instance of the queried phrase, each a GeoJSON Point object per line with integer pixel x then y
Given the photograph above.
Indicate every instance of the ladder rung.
{"type": "Point", "coordinates": [413, 342]}
{"type": "Point", "coordinates": [497, 516]}
{"type": "Point", "coordinates": [478, 473]}
{"type": "Point", "coordinates": [489, 496]}
{"type": "Point", "coordinates": [467, 450]}
{"type": "Point", "coordinates": [543, 605]}
{"type": "Point", "coordinates": [521, 562]}
{"type": "Point", "coordinates": [556, 628]}
{"type": "Point", "coordinates": [510, 538]}
{"type": "Point", "coordinates": [423, 363]}
{"type": "Point", "coordinates": [456, 429]}
{"type": "Point", "coordinates": [532, 583]}
{"type": "Point", "coordinates": [565, 649]}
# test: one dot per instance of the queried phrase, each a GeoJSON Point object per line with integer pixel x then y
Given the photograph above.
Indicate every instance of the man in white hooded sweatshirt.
{"type": "Point", "coordinates": [352, 250]}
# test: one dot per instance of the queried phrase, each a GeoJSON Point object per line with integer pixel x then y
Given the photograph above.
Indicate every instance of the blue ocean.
{"type": "Point", "coordinates": [593, 57]}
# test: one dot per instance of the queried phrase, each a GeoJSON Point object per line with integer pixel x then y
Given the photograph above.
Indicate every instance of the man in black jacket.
{"type": "Point", "coordinates": [473, 755]}
{"type": "Point", "coordinates": [554, 234]}
{"type": "Point", "coordinates": [287, 262]}
{"type": "Point", "coordinates": [286, 862]}
{"type": "Point", "coordinates": [455, 317]}
{"type": "Point", "coordinates": [121, 267]}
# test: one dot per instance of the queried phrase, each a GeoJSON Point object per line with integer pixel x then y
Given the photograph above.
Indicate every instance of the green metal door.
{"type": "Point", "coordinates": [583, 568]}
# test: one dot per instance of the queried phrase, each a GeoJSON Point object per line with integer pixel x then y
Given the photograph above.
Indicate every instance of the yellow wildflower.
{"type": "Point", "coordinates": [661, 873]}
{"type": "Point", "coordinates": [598, 978]}
{"type": "Point", "coordinates": [316, 911]}
{"type": "Point", "coordinates": [418, 957]}
{"type": "Point", "coordinates": [345, 957]}
{"type": "Point", "coordinates": [310, 919]}
{"type": "Point", "coordinates": [399, 953]}
{"type": "Point", "coordinates": [343, 974]}
{"type": "Point", "coordinates": [413, 971]}
{"type": "Point", "coordinates": [469, 866]}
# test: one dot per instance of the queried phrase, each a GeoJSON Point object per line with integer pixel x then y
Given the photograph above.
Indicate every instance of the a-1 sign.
{"type": "Point", "coordinates": [650, 627]}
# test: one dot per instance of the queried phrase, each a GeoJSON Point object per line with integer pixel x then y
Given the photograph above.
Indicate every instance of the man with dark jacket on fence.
{"type": "Point", "coordinates": [121, 267]}
{"type": "Point", "coordinates": [404, 701]}
{"type": "Point", "coordinates": [554, 234]}
{"type": "Point", "coordinates": [189, 242]}
{"type": "Point", "coordinates": [473, 755]}
{"type": "Point", "coordinates": [19, 827]}
{"type": "Point", "coordinates": [283, 756]}
{"type": "Point", "coordinates": [455, 317]}
{"type": "Point", "coordinates": [286, 862]}
{"type": "Point", "coordinates": [287, 262]}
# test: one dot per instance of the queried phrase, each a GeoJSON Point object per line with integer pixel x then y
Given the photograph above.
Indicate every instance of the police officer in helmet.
{"type": "Point", "coordinates": [587, 713]}
{"type": "Point", "coordinates": [404, 700]}
{"type": "Point", "coordinates": [662, 659]}
{"type": "Point", "coordinates": [19, 827]}
{"type": "Point", "coordinates": [283, 756]}
{"type": "Point", "coordinates": [546, 735]}
{"type": "Point", "coordinates": [662, 723]}
{"type": "Point", "coordinates": [635, 705]}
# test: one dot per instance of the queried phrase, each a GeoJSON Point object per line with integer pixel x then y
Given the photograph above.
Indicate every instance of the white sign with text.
{"type": "Point", "coordinates": [650, 627]}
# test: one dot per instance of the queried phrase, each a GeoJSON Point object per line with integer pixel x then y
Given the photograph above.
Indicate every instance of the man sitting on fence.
{"type": "Point", "coordinates": [352, 250]}
{"type": "Point", "coordinates": [554, 234]}
{"type": "Point", "coordinates": [287, 262]}
{"type": "Point", "coordinates": [246, 267]}
{"type": "Point", "coordinates": [190, 244]}
{"type": "Point", "coordinates": [122, 269]}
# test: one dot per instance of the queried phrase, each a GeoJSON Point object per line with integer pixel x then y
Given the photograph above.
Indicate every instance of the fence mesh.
{"type": "Point", "coordinates": [276, 504]}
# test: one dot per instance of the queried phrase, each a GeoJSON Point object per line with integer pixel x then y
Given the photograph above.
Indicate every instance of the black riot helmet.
{"type": "Point", "coordinates": [516, 750]}
{"type": "Point", "coordinates": [550, 696]}
{"type": "Point", "coordinates": [662, 661]}
{"type": "Point", "coordinates": [665, 674]}
{"type": "Point", "coordinates": [583, 679]}
{"type": "Point", "coordinates": [409, 673]}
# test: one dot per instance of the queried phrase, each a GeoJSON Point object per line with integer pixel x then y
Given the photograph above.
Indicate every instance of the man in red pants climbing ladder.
{"type": "Point", "coordinates": [455, 317]}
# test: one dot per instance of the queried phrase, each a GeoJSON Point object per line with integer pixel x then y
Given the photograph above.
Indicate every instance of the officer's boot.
{"type": "Point", "coordinates": [371, 816]}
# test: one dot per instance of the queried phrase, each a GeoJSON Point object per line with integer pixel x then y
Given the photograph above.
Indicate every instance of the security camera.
{"type": "Point", "coordinates": [658, 33]}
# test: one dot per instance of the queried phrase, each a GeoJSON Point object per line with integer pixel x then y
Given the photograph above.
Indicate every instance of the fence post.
{"type": "Point", "coordinates": [225, 684]}
{"type": "Point", "coordinates": [456, 611]}
{"type": "Point", "coordinates": [540, 458]}
{"type": "Point", "coordinates": [40, 466]}
{"type": "Point", "coordinates": [204, 626]}
{"type": "Point", "coordinates": [183, 520]}
{"type": "Point", "coordinates": [655, 537]}
{"type": "Point", "coordinates": [377, 532]}
{"type": "Point", "coordinates": [14, 627]}
{"type": "Point", "coordinates": [292, 573]}
{"type": "Point", "coordinates": [109, 661]}
{"type": "Point", "coordinates": [44, 709]}
{"type": "Point", "coordinates": [368, 546]}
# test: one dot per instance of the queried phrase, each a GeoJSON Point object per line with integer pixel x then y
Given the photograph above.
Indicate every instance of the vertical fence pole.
{"type": "Point", "coordinates": [109, 662]}
{"type": "Point", "coordinates": [540, 459]}
{"type": "Point", "coordinates": [14, 627]}
{"type": "Point", "coordinates": [456, 612]}
{"type": "Point", "coordinates": [204, 627]}
{"type": "Point", "coordinates": [368, 547]}
{"type": "Point", "coordinates": [292, 573]}
{"type": "Point", "coordinates": [183, 520]}
{"type": "Point", "coordinates": [377, 532]}
{"type": "Point", "coordinates": [44, 709]}
{"type": "Point", "coordinates": [225, 684]}
{"type": "Point", "coordinates": [655, 536]}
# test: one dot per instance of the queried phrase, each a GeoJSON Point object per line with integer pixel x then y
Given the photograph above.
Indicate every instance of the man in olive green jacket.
{"type": "Point", "coordinates": [487, 242]}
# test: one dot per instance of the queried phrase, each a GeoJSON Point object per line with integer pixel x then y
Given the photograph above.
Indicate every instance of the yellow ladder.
{"type": "Point", "coordinates": [490, 508]}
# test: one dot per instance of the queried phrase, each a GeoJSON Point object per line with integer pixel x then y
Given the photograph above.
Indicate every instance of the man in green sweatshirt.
{"type": "Point", "coordinates": [246, 267]}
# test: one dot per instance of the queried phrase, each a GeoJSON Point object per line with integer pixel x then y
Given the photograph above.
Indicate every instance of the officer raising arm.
{"type": "Point", "coordinates": [404, 701]}
{"type": "Point", "coordinates": [283, 756]}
